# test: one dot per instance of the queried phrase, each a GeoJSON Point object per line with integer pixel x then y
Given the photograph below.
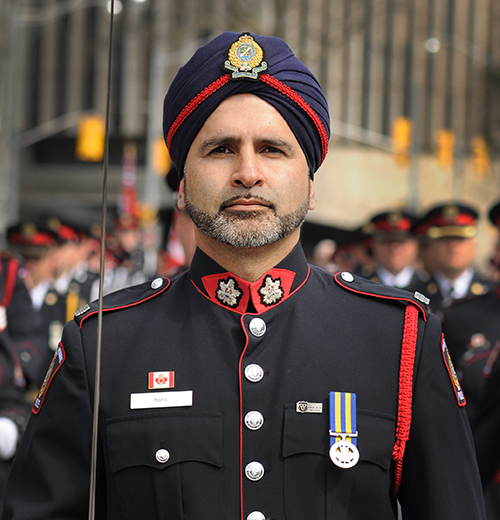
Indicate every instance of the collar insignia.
{"type": "Point", "coordinates": [271, 291]}
{"type": "Point", "coordinates": [245, 58]}
{"type": "Point", "coordinates": [229, 293]}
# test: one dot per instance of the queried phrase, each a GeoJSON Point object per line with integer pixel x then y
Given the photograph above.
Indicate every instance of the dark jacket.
{"type": "Point", "coordinates": [472, 328]}
{"type": "Point", "coordinates": [180, 461]}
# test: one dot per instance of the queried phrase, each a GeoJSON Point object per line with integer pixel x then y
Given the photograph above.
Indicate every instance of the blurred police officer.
{"type": "Point", "coordinates": [394, 249]}
{"type": "Point", "coordinates": [450, 230]}
{"type": "Point", "coordinates": [472, 329]}
{"type": "Point", "coordinates": [21, 343]}
{"type": "Point", "coordinates": [54, 254]}
{"type": "Point", "coordinates": [32, 244]}
{"type": "Point", "coordinates": [253, 385]}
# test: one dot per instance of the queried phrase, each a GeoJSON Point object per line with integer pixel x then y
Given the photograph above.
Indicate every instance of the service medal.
{"type": "Point", "coordinates": [343, 434]}
{"type": "Point", "coordinates": [344, 454]}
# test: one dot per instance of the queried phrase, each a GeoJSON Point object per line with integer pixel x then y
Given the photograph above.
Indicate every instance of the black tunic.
{"type": "Point", "coordinates": [318, 333]}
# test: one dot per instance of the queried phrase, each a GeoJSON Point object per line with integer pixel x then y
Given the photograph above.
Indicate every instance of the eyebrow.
{"type": "Point", "coordinates": [271, 141]}
{"type": "Point", "coordinates": [216, 141]}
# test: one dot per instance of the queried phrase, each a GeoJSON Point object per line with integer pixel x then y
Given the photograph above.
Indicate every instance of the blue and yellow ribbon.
{"type": "Point", "coordinates": [342, 417]}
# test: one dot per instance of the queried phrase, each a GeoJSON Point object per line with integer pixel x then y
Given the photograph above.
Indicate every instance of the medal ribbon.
{"type": "Point", "coordinates": [342, 417]}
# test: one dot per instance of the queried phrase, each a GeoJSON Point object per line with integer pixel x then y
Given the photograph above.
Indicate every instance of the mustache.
{"type": "Point", "coordinates": [248, 196]}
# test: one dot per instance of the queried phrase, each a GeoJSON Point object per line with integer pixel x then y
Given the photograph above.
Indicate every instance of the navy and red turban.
{"type": "Point", "coordinates": [235, 63]}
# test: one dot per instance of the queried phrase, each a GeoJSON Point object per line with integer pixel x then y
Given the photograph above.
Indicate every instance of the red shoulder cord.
{"type": "Point", "coordinates": [405, 392]}
{"type": "Point", "coordinates": [10, 281]}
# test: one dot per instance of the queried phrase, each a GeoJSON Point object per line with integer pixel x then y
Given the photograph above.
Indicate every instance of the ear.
{"type": "Point", "coordinates": [181, 198]}
{"type": "Point", "coordinates": [312, 195]}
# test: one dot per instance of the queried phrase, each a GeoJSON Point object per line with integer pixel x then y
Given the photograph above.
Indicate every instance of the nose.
{"type": "Point", "coordinates": [248, 172]}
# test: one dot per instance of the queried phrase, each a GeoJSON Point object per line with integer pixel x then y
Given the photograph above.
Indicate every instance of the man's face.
{"type": "Point", "coordinates": [452, 255]}
{"type": "Point", "coordinates": [395, 255]}
{"type": "Point", "coordinates": [246, 179]}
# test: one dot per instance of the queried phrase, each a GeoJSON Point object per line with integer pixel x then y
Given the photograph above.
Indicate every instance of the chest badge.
{"type": "Point", "coordinates": [159, 380]}
{"type": "Point", "coordinates": [343, 434]}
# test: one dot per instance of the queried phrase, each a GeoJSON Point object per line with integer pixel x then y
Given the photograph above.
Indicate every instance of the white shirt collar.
{"type": "Point", "coordinates": [460, 285]}
{"type": "Point", "coordinates": [401, 279]}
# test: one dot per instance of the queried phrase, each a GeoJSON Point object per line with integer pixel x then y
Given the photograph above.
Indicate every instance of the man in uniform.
{"type": "Point", "coordinates": [394, 249]}
{"type": "Point", "coordinates": [20, 346]}
{"type": "Point", "coordinates": [472, 331]}
{"type": "Point", "coordinates": [251, 386]}
{"type": "Point", "coordinates": [451, 229]}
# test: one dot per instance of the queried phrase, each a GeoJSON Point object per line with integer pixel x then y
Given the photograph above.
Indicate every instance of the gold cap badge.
{"type": "Point", "coordinates": [245, 58]}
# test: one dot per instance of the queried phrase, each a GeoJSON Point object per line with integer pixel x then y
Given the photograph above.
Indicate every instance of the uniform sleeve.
{"type": "Point", "coordinates": [50, 474]}
{"type": "Point", "coordinates": [440, 477]}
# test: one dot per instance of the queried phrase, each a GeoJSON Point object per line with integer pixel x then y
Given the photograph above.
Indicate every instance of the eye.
{"type": "Point", "coordinates": [272, 150]}
{"type": "Point", "coordinates": [220, 150]}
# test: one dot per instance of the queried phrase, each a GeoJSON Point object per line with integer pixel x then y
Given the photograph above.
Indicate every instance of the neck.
{"type": "Point", "coordinates": [247, 263]}
{"type": "Point", "coordinates": [453, 274]}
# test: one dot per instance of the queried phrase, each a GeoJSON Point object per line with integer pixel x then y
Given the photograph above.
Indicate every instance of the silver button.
{"type": "Point", "coordinates": [257, 327]}
{"type": "Point", "coordinates": [254, 420]}
{"type": "Point", "coordinates": [254, 373]}
{"type": "Point", "coordinates": [156, 283]}
{"type": "Point", "coordinates": [347, 277]}
{"type": "Point", "coordinates": [254, 471]}
{"type": "Point", "coordinates": [256, 515]}
{"type": "Point", "coordinates": [162, 456]}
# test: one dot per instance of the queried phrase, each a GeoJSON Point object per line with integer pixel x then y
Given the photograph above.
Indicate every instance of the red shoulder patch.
{"type": "Point", "coordinates": [55, 365]}
{"type": "Point", "coordinates": [453, 375]}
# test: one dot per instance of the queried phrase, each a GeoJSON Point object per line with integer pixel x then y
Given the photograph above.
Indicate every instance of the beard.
{"type": "Point", "coordinates": [246, 229]}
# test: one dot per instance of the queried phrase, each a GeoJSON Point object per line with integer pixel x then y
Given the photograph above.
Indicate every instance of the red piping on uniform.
{"type": "Point", "coordinates": [10, 282]}
{"type": "Point", "coordinates": [381, 296]}
{"type": "Point", "coordinates": [290, 93]}
{"type": "Point", "coordinates": [241, 415]}
{"type": "Point", "coordinates": [405, 392]}
{"type": "Point", "coordinates": [128, 305]}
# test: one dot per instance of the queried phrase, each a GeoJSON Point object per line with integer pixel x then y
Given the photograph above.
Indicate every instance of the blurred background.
{"type": "Point", "coordinates": [413, 88]}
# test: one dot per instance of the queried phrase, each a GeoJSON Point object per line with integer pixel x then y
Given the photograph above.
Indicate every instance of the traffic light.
{"type": "Point", "coordinates": [401, 135]}
{"type": "Point", "coordinates": [160, 159]}
{"type": "Point", "coordinates": [480, 156]}
{"type": "Point", "coordinates": [445, 141]}
{"type": "Point", "coordinates": [90, 138]}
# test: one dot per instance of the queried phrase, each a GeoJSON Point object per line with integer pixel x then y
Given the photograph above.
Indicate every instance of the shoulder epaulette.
{"type": "Point", "coordinates": [123, 298]}
{"type": "Point", "coordinates": [360, 285]}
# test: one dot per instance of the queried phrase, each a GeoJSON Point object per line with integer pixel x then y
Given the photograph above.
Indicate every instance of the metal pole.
{"type": "Point", "coordinates": [9, 122]}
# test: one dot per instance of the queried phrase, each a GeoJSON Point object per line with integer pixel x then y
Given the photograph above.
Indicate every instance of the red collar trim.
{"type": "Point", "coordinates": [234, 293]}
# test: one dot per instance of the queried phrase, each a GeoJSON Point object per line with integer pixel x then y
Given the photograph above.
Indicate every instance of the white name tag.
{"type": "Point", "coordinates": [161, 400]}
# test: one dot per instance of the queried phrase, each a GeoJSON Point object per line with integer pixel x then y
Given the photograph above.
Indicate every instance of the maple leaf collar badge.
{"type": "Point", "coordinates": [228, 293]}
{"type": "Point", "coordinates": [271, 292]}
